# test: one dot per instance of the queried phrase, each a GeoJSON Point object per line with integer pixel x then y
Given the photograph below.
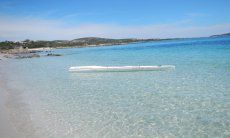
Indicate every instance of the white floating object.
{"type": "Point", "coordinates": [121, 68]}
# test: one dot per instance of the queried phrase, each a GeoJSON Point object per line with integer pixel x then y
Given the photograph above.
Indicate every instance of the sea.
{"type": "Point", "coordinates": [191, 101]}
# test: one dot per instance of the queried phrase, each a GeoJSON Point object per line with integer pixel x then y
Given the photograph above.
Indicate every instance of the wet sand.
{"type": "Point", "coordinates": [7, 128]}
{"type": "Point", "coordinates": [14, 116]}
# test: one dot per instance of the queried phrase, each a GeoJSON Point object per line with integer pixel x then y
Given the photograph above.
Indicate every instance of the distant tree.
{"type": "Point", "coordinates": [26, 41]}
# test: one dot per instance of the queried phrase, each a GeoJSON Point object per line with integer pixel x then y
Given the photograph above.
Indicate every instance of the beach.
{"type": "Point", "coordinates": [7, 129]}
{"type": "Point", "coordinates": [41, 98]}
{"type": "Point", "coordinates": [114, 69]}
{"type": "Point", "coordinates": [14, 117]}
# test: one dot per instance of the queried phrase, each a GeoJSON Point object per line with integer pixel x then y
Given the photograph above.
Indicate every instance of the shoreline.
{"type": "Point", "coordinates": [7, 129]}
{"type": "Point", "coordinates": [33, 52]}
{"type": "Point", "coordinates": [14, 116]}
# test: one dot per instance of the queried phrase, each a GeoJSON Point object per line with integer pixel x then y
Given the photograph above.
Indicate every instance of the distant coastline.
{"type": "Point", "coordinates": [221, 35]}
{"type": "Point", "coordinates": [80, 42]}
{"type": "Point", "coordinates": [30, 48]}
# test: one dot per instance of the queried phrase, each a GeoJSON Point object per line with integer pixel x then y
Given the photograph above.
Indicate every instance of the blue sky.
{"type": "Point", "coordinates": [69, 19]}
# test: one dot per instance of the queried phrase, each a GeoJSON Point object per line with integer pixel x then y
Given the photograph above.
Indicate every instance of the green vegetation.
{"type": "Point", "coordinates": [81, 42]}
{"type": "Point", "coordinates": [8, 45]}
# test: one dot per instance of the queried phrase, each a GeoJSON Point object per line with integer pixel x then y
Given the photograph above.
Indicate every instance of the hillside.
{"type": "Point", "coordinates": [221, 35]}
{"type": "Point", "coordinates": [80, 42]}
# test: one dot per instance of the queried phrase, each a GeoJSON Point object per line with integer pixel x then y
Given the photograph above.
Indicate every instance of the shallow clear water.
{"type": "Point", "coordinates": [191, 101]}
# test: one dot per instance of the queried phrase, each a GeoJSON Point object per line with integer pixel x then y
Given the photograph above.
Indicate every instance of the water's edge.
{"type": "Point", "coordinates": [14, 117]}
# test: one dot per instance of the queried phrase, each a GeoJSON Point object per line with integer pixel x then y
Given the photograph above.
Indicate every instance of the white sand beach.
{"type": "Point", "coordinates": [7, 129]}
{"type": "Point", "coordinates": [14, 118]}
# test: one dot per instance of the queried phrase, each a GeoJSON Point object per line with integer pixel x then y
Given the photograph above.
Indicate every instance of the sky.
{"type": "Point", "coordinates": [71, 19]}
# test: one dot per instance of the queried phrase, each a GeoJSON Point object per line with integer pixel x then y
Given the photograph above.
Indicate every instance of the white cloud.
{"type": "Point", "coordinates": [41, 29]}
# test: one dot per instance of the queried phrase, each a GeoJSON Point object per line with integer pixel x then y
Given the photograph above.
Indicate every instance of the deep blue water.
{"type": "Point", "coordinates": [191, 101]}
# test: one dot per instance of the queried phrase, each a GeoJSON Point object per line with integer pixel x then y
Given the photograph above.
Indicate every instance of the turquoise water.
{"type": "Point", "coordinates": [191, 101]}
